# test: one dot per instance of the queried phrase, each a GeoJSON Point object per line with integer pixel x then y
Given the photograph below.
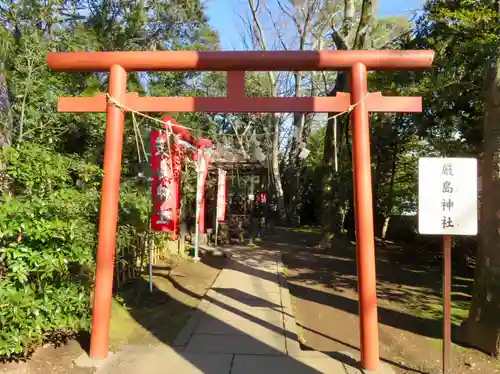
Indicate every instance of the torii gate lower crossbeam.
{"type": "Point", "coordinates": [236, 63]}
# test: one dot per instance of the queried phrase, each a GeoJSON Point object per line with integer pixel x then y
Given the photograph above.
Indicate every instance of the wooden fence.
{"type": "Point", "coordinates": [132, 260]}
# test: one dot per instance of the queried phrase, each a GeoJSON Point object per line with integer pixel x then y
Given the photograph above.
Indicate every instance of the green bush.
{"type": "Point", "coordinates": [46, 259]}
{"type": "Point", "coordinates": [48, 240]}
{"type": "Point", "coordinates": [37, 171]}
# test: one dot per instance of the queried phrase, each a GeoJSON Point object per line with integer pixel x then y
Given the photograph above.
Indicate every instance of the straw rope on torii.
{"type": "Point", "coordinates": [167, 125]}
{"type": "Point", "coordinates": [124, 108]}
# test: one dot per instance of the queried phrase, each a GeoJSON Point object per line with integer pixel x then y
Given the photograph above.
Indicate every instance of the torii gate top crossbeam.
{"type": "Point", "coordinates": [239, 60]}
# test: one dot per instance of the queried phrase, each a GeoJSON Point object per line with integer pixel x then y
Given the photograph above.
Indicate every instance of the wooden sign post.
{"type": "Point", "coordinates": [447, 205]}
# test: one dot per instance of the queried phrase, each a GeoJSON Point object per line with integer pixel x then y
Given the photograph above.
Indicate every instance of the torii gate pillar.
{"type": "Point", "coordinates": [363, 208]}
{"type": "Point", "coordinates": [108, 218]}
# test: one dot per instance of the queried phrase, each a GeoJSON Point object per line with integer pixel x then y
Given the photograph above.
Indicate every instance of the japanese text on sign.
{"type": "Point", "coordinates": [447, 196]}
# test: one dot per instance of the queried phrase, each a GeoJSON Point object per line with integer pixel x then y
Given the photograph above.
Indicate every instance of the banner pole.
{"type": "Point", "coordinates": [216, 230]}
{"type": "Point", "coordinates": [197, 214]}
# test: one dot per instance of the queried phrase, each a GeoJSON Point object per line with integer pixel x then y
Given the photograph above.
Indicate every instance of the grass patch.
{"type": "Point", "coordinates": [125, 329]}
{"type": "Point", "coordinates": [304, 229]}
{"type": "Point", "coordinates": [139, 316]}
{"type": "Point", "coordinates": [284, 271]}
{"type": "Point", "coordinates": [459, 312]}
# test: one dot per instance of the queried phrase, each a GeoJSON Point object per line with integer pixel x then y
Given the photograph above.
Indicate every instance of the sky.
{"type": "Point", "coordinates": [223, 16]}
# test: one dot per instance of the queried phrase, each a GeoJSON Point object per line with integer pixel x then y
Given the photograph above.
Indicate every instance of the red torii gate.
{"type": "Point", "coordinates": [236, 63]}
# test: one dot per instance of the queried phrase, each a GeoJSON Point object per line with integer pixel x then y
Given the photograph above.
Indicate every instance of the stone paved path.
{"type": "Point", "coordinates": [244, 325]}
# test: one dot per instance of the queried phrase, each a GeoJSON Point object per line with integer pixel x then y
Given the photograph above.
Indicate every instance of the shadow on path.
{"type": "Point", "coordinates": [227, 349]}
{"type": "Point", "coordinates": [418, 325]}
{"type": "Point", "coordinates": [229, 335]}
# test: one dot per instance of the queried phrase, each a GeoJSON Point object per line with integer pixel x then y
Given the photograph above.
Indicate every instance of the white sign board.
{"type": "Point", "coordinates": [447, 196]}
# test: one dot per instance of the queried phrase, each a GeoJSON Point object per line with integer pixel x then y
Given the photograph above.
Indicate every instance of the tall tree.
{"type": "Point", "coordinates": [357, 28]}
{"type": "Point", "coordinates": [302, 17]}
{"type": "Point", "coordinates": [461, 118]}
{"type": "Point", "coordinates": [345, 37]}
{"type": "Point", "coordinates": [259, 41]}
{"type": "Point", "coordinates": [5, 108]}
{"type": "Point", "coordinates": [482, 327]}
{"type": "Point", "coordinates": [310, 20]}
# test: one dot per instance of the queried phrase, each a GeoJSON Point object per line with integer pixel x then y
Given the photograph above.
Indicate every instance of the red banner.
{"type": "Point", "coordinates": [221, 196]}
{"type": "Point", "coordinates": [166, 169]}
{"type": "Point", "coordinates": [202, 161]}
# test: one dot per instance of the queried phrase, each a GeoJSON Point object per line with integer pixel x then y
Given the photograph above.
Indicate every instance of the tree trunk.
{"type": "Point", "coordinates": [482, 327]}
{"type": "Point", "coordinates": [389, 203]}
{"type": "Point", "coordinates": [298, 125]}
{"type": "Point", "coordinates": [385, 151]}
{"type": "Point", "coordinates": [6, 125]}
{"type": "Point", "coordinates": [331, 217]}
{"type": "Point", "coordinates": [275, 170]}
{"type": "Point", "coordinates": [5, 113]}
{"type": "Point", "coordinates": [349, 218]}
{"type": "Point", "coordinates": [274, 125]}
{"type": "Point", "coordinates": [333, 201]}
{"type": "Point", "coordinates": [385, 227]}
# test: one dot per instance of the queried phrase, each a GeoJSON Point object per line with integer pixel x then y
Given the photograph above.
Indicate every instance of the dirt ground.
{"type": "Point", "coordinates": [138, 316]}
{"type": "Point", "coordinates": [323, 286]}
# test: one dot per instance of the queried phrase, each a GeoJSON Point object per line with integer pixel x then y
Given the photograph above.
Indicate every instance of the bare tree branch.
{"type": "Point", "coordinates": [348, 23]}
{"type": "Point", "coordinates": [280, 36]}
{"type": "Point", "coordinates": [388, 43]}
{"type": "Point", "coordinates": [240, 138]}
{"type": "Point", "coordinates": [365, 24]}
{"type": "Point", "coordinates": [287, 12]}
{"type": "Point", "coordinates": [339, 40]}
{"type": "Point", "coordinates": [262, 40]}
{"type": "Point", "coordinates": [273, 120]}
